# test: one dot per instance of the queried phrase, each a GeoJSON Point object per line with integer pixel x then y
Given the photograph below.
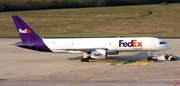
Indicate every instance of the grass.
{"type": "Point", "coordinates": [98, 22]}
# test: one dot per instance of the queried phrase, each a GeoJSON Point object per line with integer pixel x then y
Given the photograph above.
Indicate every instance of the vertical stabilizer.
{"type": "Point", "coordinates": [26, 33]}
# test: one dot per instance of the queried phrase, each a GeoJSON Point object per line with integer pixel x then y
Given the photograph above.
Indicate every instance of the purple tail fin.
{"type": "Point", "coordinates": [26, 33]}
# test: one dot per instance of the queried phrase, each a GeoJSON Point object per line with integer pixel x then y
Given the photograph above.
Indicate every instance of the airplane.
{"type": "Point", "coordinates": [91, 48]}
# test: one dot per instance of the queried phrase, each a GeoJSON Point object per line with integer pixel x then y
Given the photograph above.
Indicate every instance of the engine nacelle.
{"type": "Point", "coordinates": [99, 54]}
{"type": "Point", "coordinates": [113, 53]}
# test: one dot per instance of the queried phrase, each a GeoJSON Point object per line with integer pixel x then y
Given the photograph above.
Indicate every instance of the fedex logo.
{"type": "Point", "coordinates": [24, 31]}
{"type": "Point", "coordinates": [132, 43]}
{"type": "Point", "coordinates": [98, 54]}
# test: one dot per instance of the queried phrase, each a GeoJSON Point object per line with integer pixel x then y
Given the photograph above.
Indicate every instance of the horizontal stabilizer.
{"type": "Point", "coordinates": [28, 45]}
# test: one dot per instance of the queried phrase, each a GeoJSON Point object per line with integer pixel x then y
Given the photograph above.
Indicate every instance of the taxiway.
{"type": "Point", "coordinates": [21, 67]}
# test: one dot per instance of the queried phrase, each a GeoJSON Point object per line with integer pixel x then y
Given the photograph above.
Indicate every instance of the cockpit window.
{"type": "Point", "coordinates": [162, 43]}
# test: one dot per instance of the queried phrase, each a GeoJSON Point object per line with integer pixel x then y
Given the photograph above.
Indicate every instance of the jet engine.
{"type": "Point", "coordinates": [113, 53]}
{"type": "Point", "coordinates": [99, 54]}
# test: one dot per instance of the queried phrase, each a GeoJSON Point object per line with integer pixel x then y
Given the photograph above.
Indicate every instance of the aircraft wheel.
{"type": "Point", "coordinates": [172, 59]}
{"type": "Point", "coordinates": [82, 60]}
{"type": "Point", "coordinates": [149, 58]}
{"type": "Point", "coordinates": [86, 60]}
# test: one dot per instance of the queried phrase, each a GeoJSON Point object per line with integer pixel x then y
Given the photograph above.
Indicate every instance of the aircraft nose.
{"type": "Point", "coordinates": [168, 47]}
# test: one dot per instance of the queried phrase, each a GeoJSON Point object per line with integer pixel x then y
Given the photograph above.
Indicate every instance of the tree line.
{"type": "Point", "coordinates": [19, 5]}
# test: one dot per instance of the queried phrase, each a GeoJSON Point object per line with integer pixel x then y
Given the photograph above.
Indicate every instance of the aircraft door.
{"type": "Point", "coordinates": [152, 45]}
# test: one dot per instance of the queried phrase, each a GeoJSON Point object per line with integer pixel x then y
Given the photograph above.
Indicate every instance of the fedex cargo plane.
{"type": "Point", "coordinates": [91, 48]}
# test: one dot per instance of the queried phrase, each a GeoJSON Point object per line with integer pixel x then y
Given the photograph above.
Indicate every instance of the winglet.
{"type": "Point", "coordinates": [26, 33]}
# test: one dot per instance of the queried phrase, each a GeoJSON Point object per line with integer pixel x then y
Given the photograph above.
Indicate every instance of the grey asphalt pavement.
{"type": "Point", "coordinates": [21, 67]}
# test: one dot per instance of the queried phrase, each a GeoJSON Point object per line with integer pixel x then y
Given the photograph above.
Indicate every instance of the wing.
{"type": "Point", "coordinates": [82, 49]}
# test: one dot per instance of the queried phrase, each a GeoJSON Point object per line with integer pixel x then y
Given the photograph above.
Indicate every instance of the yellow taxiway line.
{"type": "Point", "coordinates": [142, 62]}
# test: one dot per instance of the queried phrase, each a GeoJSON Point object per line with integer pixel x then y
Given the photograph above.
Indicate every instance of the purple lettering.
{"type": "Point", "coordinates": [120, 42]}
{"type": "Point", "coordinates": [132, 43]}
{"type": "Point", "coordinates": [129, 44]}
{"type": "Point", "coordinates": [124, 44]}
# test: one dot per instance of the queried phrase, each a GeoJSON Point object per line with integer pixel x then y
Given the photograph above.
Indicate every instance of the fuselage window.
{"type": "Point", "coordinates": [162, 43]}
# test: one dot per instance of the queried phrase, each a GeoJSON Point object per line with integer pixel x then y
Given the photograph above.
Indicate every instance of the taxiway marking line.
{"type": "Point", "coordinates": [115, 63]}
{"type": "Point", "coordinates": [95, 75]}
{"type": "Point", "coordinates": [143, 62]}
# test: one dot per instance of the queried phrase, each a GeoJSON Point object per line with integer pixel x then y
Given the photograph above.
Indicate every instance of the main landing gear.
{"type": "Point", "coordinates": [150, 58]}
{"type": "Point", "coordinates": [85, 60]}
{"type": "Point", "coordinates": [86, 57]}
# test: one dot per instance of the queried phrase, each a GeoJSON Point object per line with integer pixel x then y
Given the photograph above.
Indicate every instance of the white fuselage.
{"type": "Point", "coordinates": [111, 44]}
